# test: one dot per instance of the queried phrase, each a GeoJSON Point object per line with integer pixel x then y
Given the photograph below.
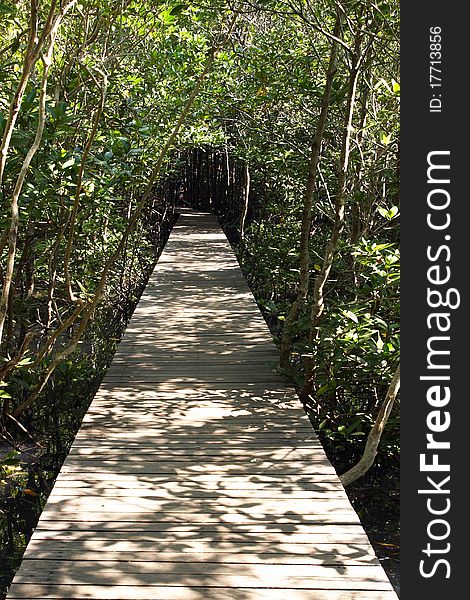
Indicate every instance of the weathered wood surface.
{"type": "Point", "coordinates": [196, 474]}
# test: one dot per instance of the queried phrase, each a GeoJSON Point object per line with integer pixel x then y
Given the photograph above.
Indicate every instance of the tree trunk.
{"type": "Point", "coordinates": [33, 51]}
{"type": "Point", "coordinates": [373, 439]}
{"type": "Point", "coordinates": [304, 253]}
{"type": "Point", "coordinates": [246, 200]}
{"type": "Point", "coordinates": [86, 152]}
{"type": "Point", "coordinates": [15, 215]}
{"type": "Point", "coordinates": [318, 305]}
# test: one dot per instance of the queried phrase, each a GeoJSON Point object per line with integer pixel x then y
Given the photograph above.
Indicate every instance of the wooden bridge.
{"type": "Point", "coordinates": [196, 474]}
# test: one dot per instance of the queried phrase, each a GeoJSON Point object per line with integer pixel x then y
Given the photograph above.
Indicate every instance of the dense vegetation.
{"type": "Point", "coordinates": [279, 115]}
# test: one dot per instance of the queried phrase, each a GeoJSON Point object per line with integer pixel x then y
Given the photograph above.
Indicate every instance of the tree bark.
{"type": "Point", "coordinates": [15, 217]}
{"type": "Point", "coordinates": [304, 252]}
{"type": "Point", "coordinates": [375, 434]}
{"type": "Point", "coordinates": [246, 201]}
{"type": "Point", "coordinates": [318, 305]}
{"type": "Point", "coordinates": [86, 152]}
{"type": "Point", "coordinates": [33, 51]}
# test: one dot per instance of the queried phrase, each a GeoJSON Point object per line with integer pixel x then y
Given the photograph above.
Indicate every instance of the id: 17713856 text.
{"type": "Point", "coordinates": [435, 69]}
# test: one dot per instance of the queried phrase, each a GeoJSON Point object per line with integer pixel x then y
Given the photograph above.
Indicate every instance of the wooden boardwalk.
{"type": "Point", "coordinates": [196, 474]}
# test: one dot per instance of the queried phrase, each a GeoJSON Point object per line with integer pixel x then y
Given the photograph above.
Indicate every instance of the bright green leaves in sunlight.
{"type": "Point", "coordinates": [388, 214]}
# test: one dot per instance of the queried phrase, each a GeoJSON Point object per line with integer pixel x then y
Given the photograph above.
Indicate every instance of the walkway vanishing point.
{"type": "Point", "coordinates": [196, 474]}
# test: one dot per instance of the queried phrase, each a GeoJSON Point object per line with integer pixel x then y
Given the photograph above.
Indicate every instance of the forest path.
{"type": "Point", "coordinates": [196, 474]}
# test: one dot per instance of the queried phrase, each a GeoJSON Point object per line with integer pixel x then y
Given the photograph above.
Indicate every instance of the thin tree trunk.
{"type": "Point", "coordinates": [52, 268]}
{"type": "Point", "coordinates": [318, 305]}
{"type": "Point", "coordinates": [86, 152]}
{"type": "Point", "coordinates": [15, 105]}
{"type": "Point", "coordinates": [57, 332]}
{"type": "Point", "coordinates": [33, 51]}
{"type": "Point", "coordinates": [246, 201]}
{"type": "Point", "coordinates": [375, 434]}
{"type": "Point", "coordinates": [15, 216]}
{"type": "Point", "coordinates": [304, 253]}
{"type": "Point", "coordinates": [9, 366]}
{"type": "Point", "coordinates": [3, 241]}
{"type": "Point", "coordinates": [356, 228]}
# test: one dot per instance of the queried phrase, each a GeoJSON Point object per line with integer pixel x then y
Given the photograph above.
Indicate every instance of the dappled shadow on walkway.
{"type": "Point", "coordinates": [196, 475]}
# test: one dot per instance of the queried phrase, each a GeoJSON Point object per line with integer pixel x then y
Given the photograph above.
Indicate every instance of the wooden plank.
{"type": "Point", "coordinates": [65, 503]}
{"type": "Point", "coordinates": [192, 451]}
{"type": "Point", "coordinates": [174, 379]}
{"type": "Point", "coordinates": [221, 516]}
{"type": "Point", "coordinates": [328, 554]}
{"type": "Point", "coordinates": [196, 473]}
{"type": "Point", "coordinates": [241, 528]}
{"type": "Point", "coordinates": [94, 423]}
{"type": "Point", "coordinates": [188, 492]}
{"type": "Point", "coordinates": [203, 388]}
{"type": "Point", "coordinates": [275, 442]}
{"type": "Point", "coordinates": [276, 422]}
{"type": "Point", "coordinates": [186, 464]}
{"type": "Point", "coordinates": [79, 592]}
{"type": "Point", "coordinates": [260, 480]}
{"type": "Point", "coordinates": [82, 569]}
{"type": "Point", "coordinates": [259, 438]}
{"type": "Point", "coordinates": [199, 391]}
{"type": "Point", "coordinates": [73, 550]}
{"type": "Point", "coordinates": [95, 436]}
{"type": "Point", "coordinates": [180, 432]}
{"type": "Point", "coordinates": [185, 470]}
{"type": "Point", "coordinates": [196, 580]}
{"type": "Point", "coordinates": [237, 539]}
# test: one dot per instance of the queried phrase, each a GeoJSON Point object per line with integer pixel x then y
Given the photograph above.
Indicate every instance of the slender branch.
{"type": "Point", "coordinates": [14, 223]}
{"type": "Point", "coordinates": [32, 54]}
{"type": "Point", "coordinates": [57, 332]}
{"type": "Point", "coordinates": [246, 201]}
{"type": "Point", "coordinates": [15, 215]}
{"type": "Point", "coordinates": [28, 63]}
{"type": "Point", "coordinates": [13, 362]}
{"type": "Point", "coordinates": [375, 434]}
{"type": "Point", "coordinates": [318, 304]}
{"type": "Point", "coordinates": [304, 253]}
{"type": "Point", "coordinates": [86, 152]}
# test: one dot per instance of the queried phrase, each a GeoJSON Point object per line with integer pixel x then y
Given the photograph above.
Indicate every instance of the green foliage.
{"type": "Point", "coordinates": [259, 105]}
{"type": "Point", "coordinates": [358, 344]}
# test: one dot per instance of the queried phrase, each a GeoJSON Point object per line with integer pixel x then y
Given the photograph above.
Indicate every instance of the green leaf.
{"type": "Point", "coordinates": [82, 288]}
{"type": "Point", "coordinates": [389, 215]}
{"type": "Point", "coordinates": [68, 163]}
{"type": "Point", "coordinates": [135, 152]}
{"type": "Point", "coordinates": [176, 10]}
{"type": "Point", "coordinates": [6, 9]}
{"type": "Point", "coordinates": [11, 459]}
{"type": "Point", "coordinates": [379, 343]}
{"type": "Point", "coordinates": [324, 388]}
{"type": "Point", "coordinates": [167, 17]}
{"type": "Point", "coordinates": [385, 138]}
{"type": "Point", "coordinates": [350, 315]}
{"type": "Point", "coordinates": [15, 45]}
{"type": "Point", "coordinates": [25, 361]}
